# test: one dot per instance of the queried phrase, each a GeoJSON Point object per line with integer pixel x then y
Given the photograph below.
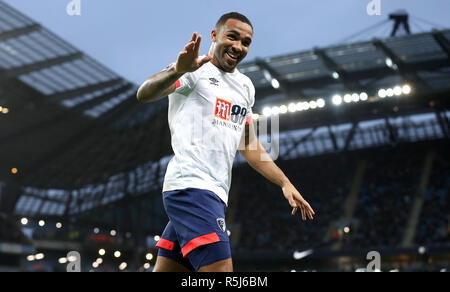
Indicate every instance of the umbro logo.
{"type": "Point", "coordinates": [214, 81]}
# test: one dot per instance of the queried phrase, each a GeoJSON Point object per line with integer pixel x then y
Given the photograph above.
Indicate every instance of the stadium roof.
{"type": "Point", "coordinates": [52, 97]}
{"type": "Point", "coordinates": [364, 66]}
{"type": "Point", "coordinates": [54, 68]}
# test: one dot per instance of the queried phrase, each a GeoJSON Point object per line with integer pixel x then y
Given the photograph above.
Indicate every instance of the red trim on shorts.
{"type": "Point", "coordinates": [177, 84]}
{"type": "Point", "coordinates": [164, 243]}
{"type": "Point", "coordinates": [199, 241]}
{"type": "Point", "coordinates": [249, 120]}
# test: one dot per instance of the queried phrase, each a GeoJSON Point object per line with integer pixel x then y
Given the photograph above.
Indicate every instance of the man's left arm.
{"type": "Point", "coordinates": [260, 160]}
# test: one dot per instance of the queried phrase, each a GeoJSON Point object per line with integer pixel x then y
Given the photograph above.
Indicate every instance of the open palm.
{"type": "Point", "coordinates": [188, 60]}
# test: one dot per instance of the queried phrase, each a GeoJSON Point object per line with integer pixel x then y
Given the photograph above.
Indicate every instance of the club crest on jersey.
{"type": "Point", "coordinates": [221, 224]}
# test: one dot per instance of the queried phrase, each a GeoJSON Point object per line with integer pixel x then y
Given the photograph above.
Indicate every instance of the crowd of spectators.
{"type": "Point", "coordinates": [385, 199]}
{"type": "Point", "coordinates": [434, 224]}
{"type": "Point", "coordinates": [386, 196]}
{"type": "Point", "coordinates": [265, 215]}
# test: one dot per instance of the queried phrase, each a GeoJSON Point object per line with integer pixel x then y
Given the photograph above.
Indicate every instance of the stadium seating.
{"type": "Point", "coordinates": [434, 226]}
{"type": "Point", "coordinates": [385, 198]}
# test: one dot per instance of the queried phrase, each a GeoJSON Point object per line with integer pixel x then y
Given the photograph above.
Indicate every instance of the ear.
{"type": "Point", "coordinates": [214, 35]}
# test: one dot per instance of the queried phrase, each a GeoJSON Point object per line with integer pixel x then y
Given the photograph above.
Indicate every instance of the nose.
{"type": "Point", "coordinates": [237, 47]}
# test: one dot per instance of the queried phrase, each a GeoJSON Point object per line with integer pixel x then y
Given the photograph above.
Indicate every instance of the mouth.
{"type": "Point", "coordinates": [231, 56]}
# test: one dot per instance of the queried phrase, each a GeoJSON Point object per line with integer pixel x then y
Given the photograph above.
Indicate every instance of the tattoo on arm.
{"type": "Point", "coordinates": [159, 85]}
{"type": "Point", "coordinates": [167, 79]}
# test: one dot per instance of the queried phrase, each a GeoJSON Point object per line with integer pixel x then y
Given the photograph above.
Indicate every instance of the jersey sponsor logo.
{"type": "Point", "coordinates": [228, 125]}
{"type": "Point", "coordinates": [221, 224]}
{"type": "Point", "coordinates": [223, 109]}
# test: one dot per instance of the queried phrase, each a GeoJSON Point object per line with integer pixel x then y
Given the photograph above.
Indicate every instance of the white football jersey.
{"type": "Point", "coordinates": [207, 116]}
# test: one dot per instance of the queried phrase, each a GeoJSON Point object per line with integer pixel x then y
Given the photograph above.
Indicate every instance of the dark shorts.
{"type": "Point", "coordinates": [196, 234]}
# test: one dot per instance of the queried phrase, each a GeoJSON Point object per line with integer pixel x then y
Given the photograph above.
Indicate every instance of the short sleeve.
{"type": "Point", "coordinates": [186, 83]}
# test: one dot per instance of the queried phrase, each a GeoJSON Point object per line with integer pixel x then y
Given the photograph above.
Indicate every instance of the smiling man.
{"type": "Point", "coordinates": [210, 105]}
{"type": "Point", "coordinates": [231, 41]}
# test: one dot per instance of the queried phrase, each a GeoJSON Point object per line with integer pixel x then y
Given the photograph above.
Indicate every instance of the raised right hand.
{"type": "Point", "coordinates": [188, 60]}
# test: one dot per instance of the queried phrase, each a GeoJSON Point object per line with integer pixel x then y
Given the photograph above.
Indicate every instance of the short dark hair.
{"type": "Point", "coordinates": [233, 15]}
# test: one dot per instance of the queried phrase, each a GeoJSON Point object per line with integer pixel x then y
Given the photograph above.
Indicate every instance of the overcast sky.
{"type": "Point", "coordinates": [137, 38]}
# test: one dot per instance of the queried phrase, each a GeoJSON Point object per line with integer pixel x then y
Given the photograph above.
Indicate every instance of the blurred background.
{"type": "Point", "coordinates": [363, 109]}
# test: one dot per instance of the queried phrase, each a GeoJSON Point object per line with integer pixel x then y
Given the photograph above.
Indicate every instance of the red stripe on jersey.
{"type": "Point", "coordinates": [177, 84]}
{"type": "Point", "coordinates": [164, 243]}
{"type": "Point", "coordinates": [199, 241]}
{"type": "Point", "coordinates": [249, 120]}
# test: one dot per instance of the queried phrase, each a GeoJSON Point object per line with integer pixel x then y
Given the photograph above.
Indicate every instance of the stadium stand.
{"type": "Point", "coordinates": [434, 226]}
{"type": "Point", "coordinates": [384, 204]}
